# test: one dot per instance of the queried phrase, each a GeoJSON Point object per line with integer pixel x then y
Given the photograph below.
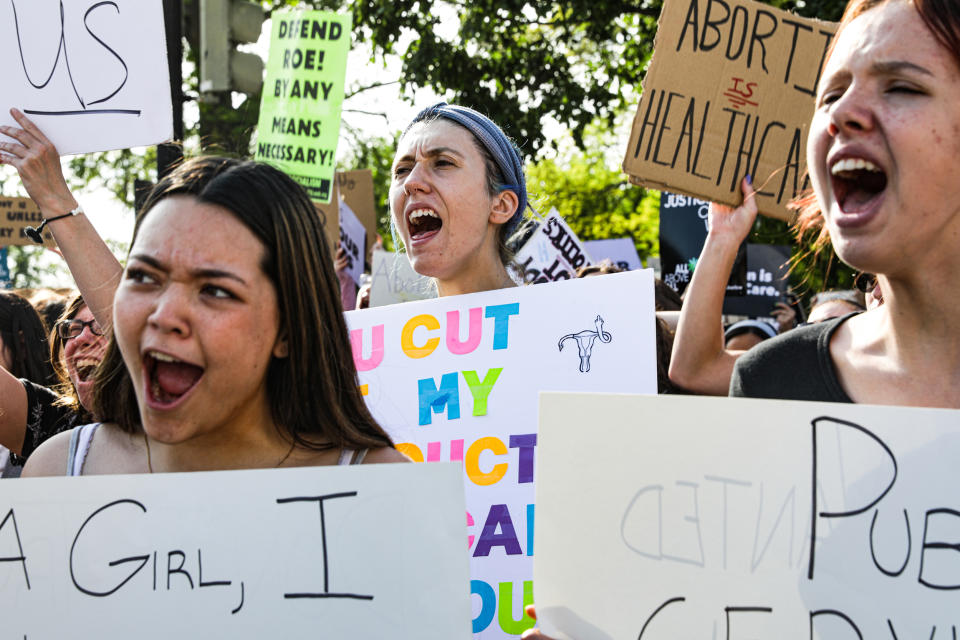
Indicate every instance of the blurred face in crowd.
{"type": "Point", "coordinates": [82, 354]}
{"type": "Point", "coordinates": [441, 204]}
{"type": "Point", "coordinates": [884, 142]}
{"type": "Point", "coordinates": [831, 309]}
{"type": "Point", "coordinates": [197, 322]}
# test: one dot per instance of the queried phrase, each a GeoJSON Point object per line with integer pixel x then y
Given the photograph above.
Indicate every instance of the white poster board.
{"type": "Point", "coordinates": [690, 517]}
{"type": "Point", "coordinates": [393, 280]}
{"type": "Point", "coordinates": [353, 240]}
{"type": "Point", "coordinates": [456, 379]}
{"type": "Point", "coordinates": [371, 551]}
{"type": "Point", "coordinates": [553, 252]}
{"type": "Point", "coordinates": [91, 74]}
{"type": "Point", "coordinates": [619, 251]}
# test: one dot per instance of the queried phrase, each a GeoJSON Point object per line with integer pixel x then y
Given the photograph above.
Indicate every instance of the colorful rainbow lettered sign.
{"type": "Point", "coordinates": [457, 379]}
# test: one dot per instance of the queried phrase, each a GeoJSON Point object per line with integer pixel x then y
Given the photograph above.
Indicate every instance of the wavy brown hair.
{"type": "Point", "coordinates": [313, 393]}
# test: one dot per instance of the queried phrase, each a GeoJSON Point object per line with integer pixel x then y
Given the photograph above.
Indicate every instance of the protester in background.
{"type": "Point", "coordinates": [882, 154]}
{"type": "Point", "coordinates": [835, 304]}
{"type": "Point", "coordinates": [458, 194]}
{"type": "Point", "coordinates": [348, 288]}
{"type": "Point", "coordinates": [31, 411]}
{"type": "Point", "coordinates": [229, 347]}
{"type": "Point", "coordinates": [746, 334]}
{"type": "Point", "coordinates": [24, 368]}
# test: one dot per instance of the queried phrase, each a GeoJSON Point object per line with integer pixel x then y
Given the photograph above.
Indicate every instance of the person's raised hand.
{"type": "Point", "coordinates": [785, 315]}
{"type": "Point", "coordinates": [734, 223]}
{"type": "Point", "coordinates": [38, 163]}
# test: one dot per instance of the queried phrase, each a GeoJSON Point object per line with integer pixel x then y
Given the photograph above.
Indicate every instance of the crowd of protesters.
{"type": "Point", "coordinates": [221, 344]}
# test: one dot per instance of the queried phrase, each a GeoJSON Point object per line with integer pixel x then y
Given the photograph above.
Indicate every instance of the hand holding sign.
{"type": "Point", "coordinates": [38, 163]}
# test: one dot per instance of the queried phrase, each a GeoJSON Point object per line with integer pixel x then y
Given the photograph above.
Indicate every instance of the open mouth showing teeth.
{"type": "Point", "coordinates": [423, 222]}
{"type": "Point", "coordinates": [169, 378]}
{"type": "Point", "coordinates": [85, 369]}
{"type": "Point", "coordinates": [857, 183]}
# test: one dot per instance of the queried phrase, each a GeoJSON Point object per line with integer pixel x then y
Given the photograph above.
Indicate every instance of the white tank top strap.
{"type": "Point", "coordinates": [352, 456]}
{"type": "Point", "coordinates": [80, 439]}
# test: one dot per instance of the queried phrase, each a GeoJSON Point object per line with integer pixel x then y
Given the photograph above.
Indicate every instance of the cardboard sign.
{"type": "Point", "coordinates": [767, 271]}
{"type": "Point", "coordinates": [352, 241]}
{"type": "Point", "coordinates": [456, 379]}
{"type": "Point", "coordinates": [394, 280]}
{"type": "Point", "coordinates": [699, 524]}
{"type": "Point", "coordinates": [729, 92]}
{"type": "Point", "coordinates": [553, 252]}
{"type": "Point", "coordinates": [302, 95]}
{"type": "Point", "coordinates": [364, 551]}
{"type": "Point", "coordinates": [621, 252]}
{"type": "Point", "coordinates": [5, 281]}
{"type": "Point", "coordinates": [16, 214]}
{"type": "Point", "coordinates": [356, 188]}
{"type": "Point", "coordinates": [92, 75]}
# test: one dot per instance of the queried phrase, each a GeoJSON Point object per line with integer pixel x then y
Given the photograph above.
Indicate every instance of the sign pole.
{"type": "Point", "coordinates": [169, 154]}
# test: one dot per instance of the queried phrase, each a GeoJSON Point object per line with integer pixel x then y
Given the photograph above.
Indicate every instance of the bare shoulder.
{"type": "Point", "coordinates": [50, 458]}
{"type": "Point", "coordinates": [384, 454]}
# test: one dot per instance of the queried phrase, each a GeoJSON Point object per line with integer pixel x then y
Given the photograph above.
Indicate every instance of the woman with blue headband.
{"type": "Point", "coordinates": [458, 193]}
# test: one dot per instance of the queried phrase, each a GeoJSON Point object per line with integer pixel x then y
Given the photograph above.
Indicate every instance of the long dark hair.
{"type": "Point", "coordinates": [313, 392]}
{"type": "Point", "coordinates": [25, 338]}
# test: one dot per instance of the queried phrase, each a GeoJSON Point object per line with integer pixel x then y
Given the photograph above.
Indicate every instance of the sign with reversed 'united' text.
{"type": "Point", "coordinates": [367, 551]}
{"type": "Point", "coordinates": [696, 517]}
{"type": "Point", "coordinates": [457, 378]}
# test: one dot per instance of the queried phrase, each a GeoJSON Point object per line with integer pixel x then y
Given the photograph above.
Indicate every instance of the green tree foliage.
{"type": "Point", "coordinates": [520, 61]}
{"type": "Point", "coordinates": [596, 201]}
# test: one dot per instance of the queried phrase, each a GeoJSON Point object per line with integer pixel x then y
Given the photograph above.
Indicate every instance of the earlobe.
{"type": "Point", "coordinates": [281, 349]}
{"type": "Point", "coordinates": [503, 207]}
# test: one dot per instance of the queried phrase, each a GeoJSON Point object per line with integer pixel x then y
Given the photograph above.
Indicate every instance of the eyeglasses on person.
{"type": "Point", "coordinates": [68, 329]}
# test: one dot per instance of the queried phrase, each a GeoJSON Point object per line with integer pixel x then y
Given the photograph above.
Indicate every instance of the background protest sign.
{"type": "Point", "coordinates": [370, 551]}
{"type": "Point", "coordinates": [729, 92]}
{"type": "Point", "coordinates": [393, 280]}
{"type": "Point", "coordinates": [92, 75]}
{"type": "Point", "coordinates": [352, 241]}
{"type": "Point", "coordinates": [456, 379]}
{"type": "Point", "coordinates": [621, 252]}
{"type": "Point", "coordinates": [683, 231]}
{"type": "Point", "coordinates": [302, 94]}
{"type": "Point", "coordinates": [698, 523]}
{"type": "Point", "coordinates": [553, 252]}
{"type": "Point", "coordinates": [356, 189]}
{"type": "Point", "coordinates": [767, 270]}
{"type": "Point", "coordinates": [16, 214]}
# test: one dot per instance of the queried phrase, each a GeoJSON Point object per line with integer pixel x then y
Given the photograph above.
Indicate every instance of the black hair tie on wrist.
{"type": "Point", "coordinates": [35, 234]}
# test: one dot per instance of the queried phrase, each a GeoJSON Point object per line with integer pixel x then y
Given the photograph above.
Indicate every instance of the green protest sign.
{"type": "Point", "coordinates": [300, 109]}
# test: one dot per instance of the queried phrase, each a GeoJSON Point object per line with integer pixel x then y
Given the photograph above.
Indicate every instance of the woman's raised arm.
{"type": "Point", "coordinates": [94, 267]}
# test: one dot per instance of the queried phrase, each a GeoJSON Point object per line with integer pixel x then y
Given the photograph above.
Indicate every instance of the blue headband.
{"type": "Point", "coordinates": [495, 141]}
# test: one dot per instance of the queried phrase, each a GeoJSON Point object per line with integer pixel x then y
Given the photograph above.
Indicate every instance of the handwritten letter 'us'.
{"type": "Point", "coordinates": [92, 74]}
